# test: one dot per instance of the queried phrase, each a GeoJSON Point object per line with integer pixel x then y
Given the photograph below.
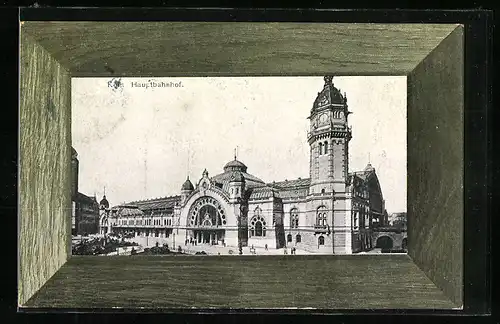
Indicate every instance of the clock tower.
{"type": "Point", "coordinates": [329, 204]}
{"type": "Point", "coordinates": [328, 139]}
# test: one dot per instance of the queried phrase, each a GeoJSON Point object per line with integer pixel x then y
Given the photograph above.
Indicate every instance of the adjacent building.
{"type": "Point", "coordinates": [85, 209]}
{"type": "Point", "coordinates": [332, 211]}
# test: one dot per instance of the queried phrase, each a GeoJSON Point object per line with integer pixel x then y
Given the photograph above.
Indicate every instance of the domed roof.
{"type": "Point", "coordinates": [236, 171]}
{"type": "Point", "coordinates": [104, 202]}
{"type": "Point", "coordinates": [187, 185]}
{"type": "Point", "coordinates": [329, 95]}
{"type": "Point", "coordinates": [235, 165]}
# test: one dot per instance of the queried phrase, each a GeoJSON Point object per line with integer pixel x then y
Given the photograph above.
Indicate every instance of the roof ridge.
{"type": "Point", "coordinates": [154, 199]}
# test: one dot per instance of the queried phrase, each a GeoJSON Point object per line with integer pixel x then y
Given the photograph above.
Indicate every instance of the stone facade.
{"type": "Point", "coordinates": [84, 209]}
{"type": "Point", "coordinates": [331, 212]}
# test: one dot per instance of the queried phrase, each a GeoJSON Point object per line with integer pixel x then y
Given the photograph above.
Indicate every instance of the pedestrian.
{"type": "Point", "coordinates": [266, 247]}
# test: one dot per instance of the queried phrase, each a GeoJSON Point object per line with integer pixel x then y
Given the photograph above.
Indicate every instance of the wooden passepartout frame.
{"type": "Point", "coordinates": [430, 55]}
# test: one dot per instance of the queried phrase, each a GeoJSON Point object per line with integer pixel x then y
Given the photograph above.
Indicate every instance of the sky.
{"type": "Point", "coordinates": [141, 143]}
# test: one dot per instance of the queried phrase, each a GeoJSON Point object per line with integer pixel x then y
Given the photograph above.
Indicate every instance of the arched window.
{"type": "Point", "coordinates": [321, 216]}
{"type": "Point", "coordinates": [326, 147]}
{"type": "Point", "coordinates": [321, 240]}
{"type": "Point", "coordinates": [257, 226]}
{"type": "Point", "coordinates": [206, 208]}
{"type": "Point", "coordinates": [323, 190]}
{"type": "Point", "coordinates": [298, 238]}
{"type": "Point", "coordinates": [294, 218]}
{"type": "Point", "coordinates": [320, 148]}
{"type": "Point", "coordinates": [289, 238]}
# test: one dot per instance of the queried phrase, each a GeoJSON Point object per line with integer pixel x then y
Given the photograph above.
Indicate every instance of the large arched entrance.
{"type": "Point", "coordinates": [385, 243]}
{"type": "Point", "coordinates": [206, 221]}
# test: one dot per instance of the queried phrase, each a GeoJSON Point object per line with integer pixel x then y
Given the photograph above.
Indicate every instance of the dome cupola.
{"type": "Point", "coordinates": [104, 202]}
{"type": "Point", "coordinates": [187, 185]}
{"type": "Point", "coordinates": [235, 165]}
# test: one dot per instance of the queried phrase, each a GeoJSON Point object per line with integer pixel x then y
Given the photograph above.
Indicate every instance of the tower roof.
{"type": "Point", "coordinates": [235, 165]}
{"type": "Point", "coordinates": [104, 202]}
{"type": "Point", "coordinates": [187, 185]}
{"type": "Point", "coordinates": [329, 95]}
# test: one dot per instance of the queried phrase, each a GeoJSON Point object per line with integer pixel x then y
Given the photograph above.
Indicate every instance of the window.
{"type": "Point", "coordinates": [321, 240]}
{"type": "Point", "coordinates": [321, 216]}
{"type": "Point", "coordinates": [320, 148]}
{"type": "Point", "coordinates": [289, 238]}
{"type": "Point", "coordinates": [258, 229]}
{"type": "Point", "coordinates": [326, 147]}
{"type": "Point", "coordinates": [323, 190]}
{"type": "Point", "coordinates": [298, 238]}
{"type": "Point", "coordinates": [294, 218]}
{"type": "Point", "coordinates": [257, 226]}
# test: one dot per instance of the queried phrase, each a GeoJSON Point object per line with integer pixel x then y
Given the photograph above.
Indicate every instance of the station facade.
{"type": "Point", "coordinates": [332, 212]}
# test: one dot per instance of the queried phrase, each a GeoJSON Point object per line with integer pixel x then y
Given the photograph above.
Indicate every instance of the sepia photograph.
{"type": "Point", "coordinates": [239, 165]}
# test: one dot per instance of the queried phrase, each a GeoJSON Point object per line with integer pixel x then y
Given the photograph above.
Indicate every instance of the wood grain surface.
{"type": "Point", "coordinates": [322, 282]}
{"type": "Point", "coordinates": [436, 164]}
{"type": "Point", "coordinates": [44, 183]}
{"type": "Point", "coordinates": [220, 48]}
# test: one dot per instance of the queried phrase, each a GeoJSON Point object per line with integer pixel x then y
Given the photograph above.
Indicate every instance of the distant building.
{"type": "Point", "coordinates": [85, 209]}
{"type": "Point", "coordinates": [332, 211]}
{"type": "Point", "coordinates": [398, 220]}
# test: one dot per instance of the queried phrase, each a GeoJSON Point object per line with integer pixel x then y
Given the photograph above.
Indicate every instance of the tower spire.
{"type": "Point", "coordinates": [188, 161]}
{"type": "Point", "coordinates": [104, 191]}
{"type": "Point", "coordinates": [328, 79]}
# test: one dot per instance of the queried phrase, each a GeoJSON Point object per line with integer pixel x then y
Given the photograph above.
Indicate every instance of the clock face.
{"type": "Point", "coordinates": [323, 119]}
